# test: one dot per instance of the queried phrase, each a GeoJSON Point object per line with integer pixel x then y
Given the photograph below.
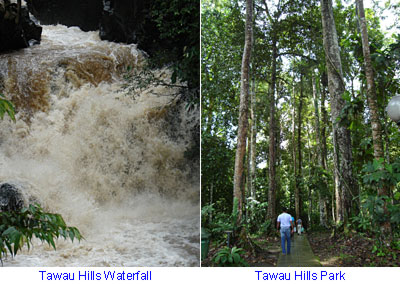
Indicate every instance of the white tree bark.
{"type": "Point", "coordinates": [343, 156]}
{"type": "Point", "coordinates": [238, 189]}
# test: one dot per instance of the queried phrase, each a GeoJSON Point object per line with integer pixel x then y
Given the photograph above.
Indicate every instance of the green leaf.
{"type": "Point", "coordinates": [351, 127]}
{"type": "Point", "coordinates": [51, 241]}
{"type": "Point", "coordinates": [397, 176]}
{"type": "Point", "coordinates": [71, 235]}
{"type": "Point", "coordinates": [377, 164]}
{"type": "Point", "coordinates": [6, 107]}
{"type": "Point", "coordinates": [223, 260]}
{"type": "Point", "coordinates": [10, 231]}
{"type": "Point", "coordinates": [236, 258]}
{"type": "Point", "coordinates": [29, 222]}
{"type": "Point", "coordinates": [17, 240]}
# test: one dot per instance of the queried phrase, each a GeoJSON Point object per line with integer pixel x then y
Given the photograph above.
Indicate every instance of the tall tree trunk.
{"type": "Point", "coordinates": [253, 123]}
{"type": "Point", "coordinates": [321, 197]}
{"type": "Point", "coordinates": [253, 141]}
{"type": "Point", "coordinates": [339, 194]}
{"type": "Point", "coordinates": [373, 107]}
{"type": "Point", "coordinates": [277, 135]}
{"type": "Point", "coordinates": [316, 117]}
{"type": "Point", "coordinates": [246, 193]}
{"type": "Point", "coordinates": [324, 114]}
{"type": "Point", "coordinates": [310, 162]}
{"type": "Point", "coordinates": [371, 91]}
{"type": "Point", "coordinates": [299, 149]}
{"type": "Point", "coordinates": [294, 152]}
{"type": "Point", "coordinates": [251, 161]}
{"type": "Point", "coordinates": [271, 212]}
{"type": "Point", "coordinates": [243, 110]}
{"type": "Point", "coordinates": [343, 156]}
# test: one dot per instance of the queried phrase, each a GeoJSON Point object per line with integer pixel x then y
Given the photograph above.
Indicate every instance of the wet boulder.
{"type": "Point", "coordinates": [11, 198]}
{"type": "Point", "coordinates": [17, 30]}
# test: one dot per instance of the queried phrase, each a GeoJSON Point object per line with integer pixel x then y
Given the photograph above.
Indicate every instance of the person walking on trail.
{"type": "Point", "coordinates": [285, 225]}
{"type": "Point", "coordinates": [299, 226]}
{"type": "Point", "coordinates": [292, 233]}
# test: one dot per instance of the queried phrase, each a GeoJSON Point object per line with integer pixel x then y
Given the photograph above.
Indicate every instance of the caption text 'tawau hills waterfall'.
{"type": "Point", "coordinates": [112, 164]}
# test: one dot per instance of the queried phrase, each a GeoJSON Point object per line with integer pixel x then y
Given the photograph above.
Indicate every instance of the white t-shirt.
{"type": "Point", "coordinates": [285, 219]}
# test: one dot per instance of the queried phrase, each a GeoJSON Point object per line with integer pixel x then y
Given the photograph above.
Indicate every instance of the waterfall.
{"type": "Point", "coordinates": [112, 164]}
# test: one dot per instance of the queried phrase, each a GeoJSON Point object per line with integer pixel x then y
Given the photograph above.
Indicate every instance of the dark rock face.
{"type": "Point", "coordinates": [82, 13]}
{"type": "Point", "coordinates": [117, 20]}
{"type": "Point", "coordinates": [17, 31]}
{"type": "Point", "coordinates": [10, 198]}
{"type": "Point", "coordinates": [168, 31]}
{"type": "Point", "coordinates": [125, 20]}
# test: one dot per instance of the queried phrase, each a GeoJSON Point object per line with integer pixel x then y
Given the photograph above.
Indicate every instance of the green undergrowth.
{"type": "Point", "coordinates": [19, 228]}
{"type": "Point", "coordinates": [6, 107]}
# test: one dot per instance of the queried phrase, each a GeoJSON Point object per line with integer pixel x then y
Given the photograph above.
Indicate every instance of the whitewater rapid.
{"type": "Point", "coordinates": [111, 164]}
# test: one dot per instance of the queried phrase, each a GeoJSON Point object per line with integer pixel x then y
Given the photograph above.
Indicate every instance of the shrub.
{"type": "Point", "coordinates": [18, 228]}
{"type": "Point", "coordinates": [229, 257]}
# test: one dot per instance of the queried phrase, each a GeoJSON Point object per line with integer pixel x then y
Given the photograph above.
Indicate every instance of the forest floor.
{"type": "Point", "coordinates": [342, 251]}
{"type": "Point", "coordinates": [268, 257]}
{"type": "Point", "coordinates": [271, 249]}
{"type": "Point", "coordinates": [352, 251]}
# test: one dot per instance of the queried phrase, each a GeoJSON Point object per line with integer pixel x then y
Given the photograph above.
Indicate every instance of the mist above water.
{"type": "Point", "coordinates": [113, 166]}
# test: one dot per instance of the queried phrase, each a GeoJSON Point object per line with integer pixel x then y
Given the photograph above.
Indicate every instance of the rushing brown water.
{"type": "Point", "coordinates": [113, 166]}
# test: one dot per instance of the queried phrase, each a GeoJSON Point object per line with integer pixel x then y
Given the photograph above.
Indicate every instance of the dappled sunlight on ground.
{"type": "Point", "coordinates": [331, 261]}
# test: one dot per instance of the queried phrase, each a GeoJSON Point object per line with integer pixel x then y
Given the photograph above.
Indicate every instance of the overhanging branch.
{"type": "Point", "coordinates": [299, 55]}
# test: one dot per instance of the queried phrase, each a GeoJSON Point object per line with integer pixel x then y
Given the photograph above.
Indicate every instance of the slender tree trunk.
{"type": "Point", "coordinates": [249, 153]}
{"type": "Point", "coordinates": [373, 107]}
{"type": "Point", "coordinates": [387, 143]}
{"type": "Point", "coordinates": [243, 110]}
{"type": "Point", "coordinates": [317, 123]}
{"type": "Point", "coordinates": [324, 114]}
{"type": "Point", "coordinates": [251, 173]}
{"type": "Point", "coordinates": [277, 136]}
{"type": "Point", "coordinates": [211, 201]}
{"type": "Point", "coordinates": [299, 149]}
{"type": "Point", "coordinates": [333, 208]}
{"type": "Point", "coordinates": [371, 91]}
{"type": "Point", "coordinates": [253, 141]}
{"type": "Point", "coordinates": [247, 192]}
{"type": "Point", "coordinates": [253, 123]}
{"type": "Point", "coordinates": [321, 197]}
{"type": "Point", "coordinates": [339, 213]}
{"type": "Point", "coordinates": [271, 212]}
{"type": "Point", "coordinates": [310, 162]}
{"type": "Point", "coordinates": [294, 153]}
{"type": "Point", "coordinates": [343, 166]}
{"type": "Point", "coordinates": [324, 150]}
